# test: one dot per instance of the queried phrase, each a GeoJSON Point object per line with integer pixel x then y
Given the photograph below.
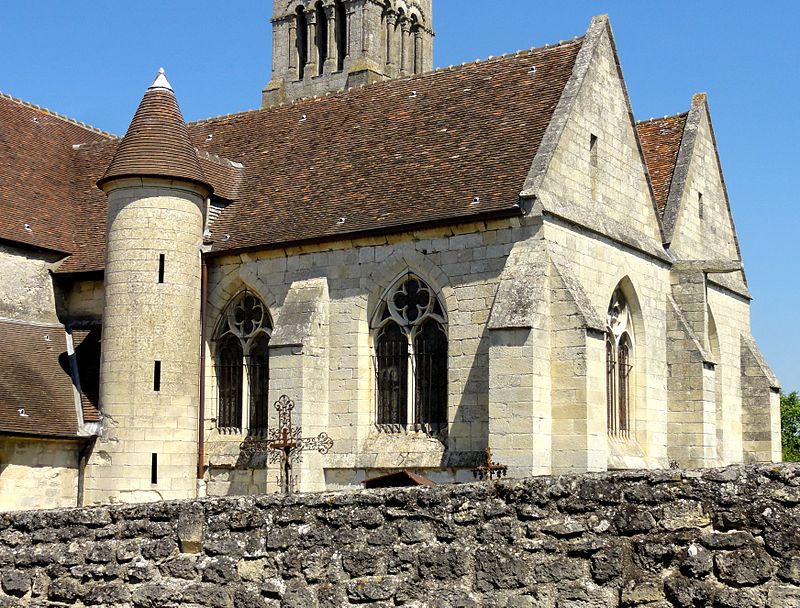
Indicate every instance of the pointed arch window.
{"type": "Point", "coordinates": [242, 365]}
{"type": "Point", "coordinates": [619, 366]}
{"type": "Point", "coordinates": [410, 332]}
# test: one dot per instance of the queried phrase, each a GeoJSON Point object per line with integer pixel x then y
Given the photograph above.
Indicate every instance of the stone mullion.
{"type": "Point", "coordinates": [313, 47]}
{"type": "Point", "coordinates": [333, 48]}
{"type": "Point", "coordinates": [293, 59]}
{"type": "Point", "coordinates": [391, 20]}
{"type": "Point", "coordinates": [418, 44]}
{"type": "Point", "coordinates": [405, 31]}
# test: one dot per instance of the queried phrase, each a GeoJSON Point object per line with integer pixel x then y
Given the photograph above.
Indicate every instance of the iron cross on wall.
{"type": "Point", "coordinates": [285, 445]}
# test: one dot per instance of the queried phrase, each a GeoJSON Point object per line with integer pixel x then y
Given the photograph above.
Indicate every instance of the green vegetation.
{"type": "Point", "coordinates": [790, 426]}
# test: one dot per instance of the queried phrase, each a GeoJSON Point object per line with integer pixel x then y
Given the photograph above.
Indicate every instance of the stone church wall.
{"type": "Point", "coordinates": [37, 474]}
{"type": "Point", "coordinates": [27, 287]}
{"type": "Point", "coordinates": [600, 265]}
{"type": "Point", "coordinates": [462, 264]}
{"type": "Point", "coordinates": [723, 537]}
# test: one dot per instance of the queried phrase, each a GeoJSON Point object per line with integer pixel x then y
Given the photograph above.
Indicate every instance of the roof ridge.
{"type": "Point", "coordinates": [408, 78]}
{"type": "Point", "coordinates": [657, 118]}
{"type": "Point", "coordinates": [63, 117]}
{"type": "Point", "coordinates": [220, 160]}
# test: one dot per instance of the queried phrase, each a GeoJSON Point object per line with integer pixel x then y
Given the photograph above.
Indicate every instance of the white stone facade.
{"type": "Point", "coordinates": [527, 305]}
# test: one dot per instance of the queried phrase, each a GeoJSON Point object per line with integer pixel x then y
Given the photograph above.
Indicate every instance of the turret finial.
{"type": "Point", "coordinates": [161, 81]}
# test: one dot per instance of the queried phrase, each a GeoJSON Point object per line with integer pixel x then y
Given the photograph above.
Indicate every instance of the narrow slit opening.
{"type": "Point", "coordinates": [157, 376]}
{"type": "Point", "coordinates": [154, 469]}
{"type": "Point", "coordinates": [161, 259]}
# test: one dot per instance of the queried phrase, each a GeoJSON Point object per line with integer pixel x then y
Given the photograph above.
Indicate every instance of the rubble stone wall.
{"type": "Point", "coordinates": [723, 537]}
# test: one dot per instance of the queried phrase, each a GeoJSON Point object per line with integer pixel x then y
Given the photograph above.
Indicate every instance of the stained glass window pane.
{"type": "Point", "coordinates": [392, 372]}
{"type": "Point", "coordinates": [230, 368]}
{"type": "Point", "coordinates": [258, 370]}
{"type": "Point", "coordinates": [430, 350]}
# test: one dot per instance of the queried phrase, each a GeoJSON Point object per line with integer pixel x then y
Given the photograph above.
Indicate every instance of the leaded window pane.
{"type": "Point", "coordinates": [610, 379]}
{"type": "Point", "coordinates": [624, 374]}
{"type": "Point", "coordinates": [430, 351]}
{"type": "Point", "coordinates": [230, 371]}
{"type": "Point", "coordinates": [258, 371]}
{"type": "Point", "coordinates": [392, 371]}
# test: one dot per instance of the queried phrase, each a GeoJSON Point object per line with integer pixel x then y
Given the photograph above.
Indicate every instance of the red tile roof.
{"type": "Point", "coordinates": [399, 153]}
{"type": "Point", "coordinates": [38, 174]}
{"type": "Point", "coordinates": [661, 142]}
{"type": "Point", "coordinates": [157, 143]}
{"type": "Point", "coordinates": [36, 394]}
{"type": "Point", "coordinates": [451, 145]}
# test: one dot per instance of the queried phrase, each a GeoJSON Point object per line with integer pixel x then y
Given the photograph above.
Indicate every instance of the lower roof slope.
{"type": "Point", "coordinates": [36, 391]}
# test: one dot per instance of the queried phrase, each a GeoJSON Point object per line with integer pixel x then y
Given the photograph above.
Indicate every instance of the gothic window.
{"type": "Point", "coordinates": [242, 365]}
{"type": "Point", "coordinates": [341, 35]}
{"type": "Point", "coordinates": [411, 357]}
{"type": "Point", "coordinates": [619, 366]}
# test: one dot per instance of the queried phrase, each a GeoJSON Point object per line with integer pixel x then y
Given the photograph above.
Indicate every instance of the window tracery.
{"type": "Point", "coordinates": [619, 366]}
{"type": "Point", "coordinates": [242, 365]}
{"type": "Point", "coordinates": [411, 358]}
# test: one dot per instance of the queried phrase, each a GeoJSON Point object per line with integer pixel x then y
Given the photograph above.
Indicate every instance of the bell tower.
{"type": "Point", "coordinates": [320, 46]}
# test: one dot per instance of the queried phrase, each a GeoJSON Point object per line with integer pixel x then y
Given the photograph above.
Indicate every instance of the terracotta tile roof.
{"type": "Point", "coordinates": [398, 153]}
{"type": "Point", "coordinates": [86, 343]}
{"type": "Point", "coordinates": [157, 143]}
{"type": "Point", "coordinates": [34, 378]}
{"type": "Point", "coordinates": [451, 145]}
{"type": "Point", "coordinates": [661, 142]}
{"type": "Point", "coordinates": [37, 174]}
{"type": "Point", "coordinates": [225, 176]}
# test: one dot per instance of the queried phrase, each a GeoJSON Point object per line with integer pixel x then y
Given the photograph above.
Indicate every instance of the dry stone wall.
{"type": "Point", "coordinates": [726, 538]}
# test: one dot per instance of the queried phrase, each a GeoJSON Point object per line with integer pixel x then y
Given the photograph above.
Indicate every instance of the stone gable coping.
{"type": "Point", "coordinates": [698, 109]}
{"type": "Point", "coordinates": [749, 345]}
{"type": "Point", "coordinates": [599, 26]}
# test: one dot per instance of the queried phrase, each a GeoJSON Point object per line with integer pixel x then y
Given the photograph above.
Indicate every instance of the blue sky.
{"type": "Point", "coordinates": [93, 60]}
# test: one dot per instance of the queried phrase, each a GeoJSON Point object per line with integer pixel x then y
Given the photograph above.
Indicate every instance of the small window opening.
{"type": "Point", "coordinates": [593, 162]}
{"type": "Point", "coordinates": [157, 376]}
{"type": "Point", "coordinates": [302, 43]}
{"type": "Point", "coordinates": [700, 210]}
{"type": "Point", "coordinates": [341, 35]}
{"type": "Point", "coordinates": [161, 259]}
{"type": "Point", "coordinates": [154, 469]}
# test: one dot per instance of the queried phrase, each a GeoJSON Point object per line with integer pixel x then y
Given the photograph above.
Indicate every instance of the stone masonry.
{"type": "Point", "coordinates": [720, 537]}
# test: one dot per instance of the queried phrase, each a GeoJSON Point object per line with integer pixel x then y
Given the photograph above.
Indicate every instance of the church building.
{"type": "Point", "coordinates": [427, 263]}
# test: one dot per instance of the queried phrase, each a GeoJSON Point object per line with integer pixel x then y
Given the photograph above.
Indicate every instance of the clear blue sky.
{"type": "Point", "coordinates": [93, 60]}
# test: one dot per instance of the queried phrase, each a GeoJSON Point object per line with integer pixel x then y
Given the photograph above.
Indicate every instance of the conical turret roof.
{"type": "Point", "coordinates": [157, 143]}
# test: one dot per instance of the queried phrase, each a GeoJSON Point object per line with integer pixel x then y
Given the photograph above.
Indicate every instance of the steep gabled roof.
{"type": "Point", "coordinates": [450, 145]}
{"type": "Point", "coordinates": [661, 141]}
{"type": "Point", "coordinates": [38, 175]}
{"type": "Point", "coordinates": [36, 391]}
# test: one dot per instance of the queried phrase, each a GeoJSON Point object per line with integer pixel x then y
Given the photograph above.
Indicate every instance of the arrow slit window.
{"type": "Point", "coordinates": [242, 365]}
{"type": "Point", "coordinates": [410, 333]}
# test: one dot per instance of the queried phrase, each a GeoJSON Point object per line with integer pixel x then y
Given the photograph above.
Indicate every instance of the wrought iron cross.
{"type": "Point", "coordinates": [490, 469]}
{"type": "Point", "coordinates": [284, 443]}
